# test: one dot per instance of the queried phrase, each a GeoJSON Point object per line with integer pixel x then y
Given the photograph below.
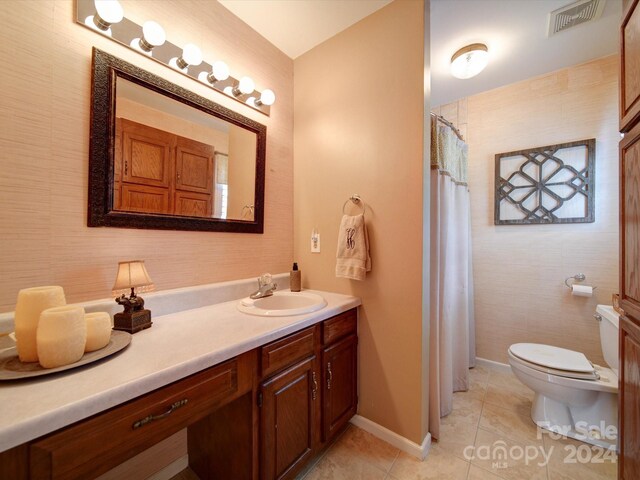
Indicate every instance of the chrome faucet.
{"type": "Point", "coordinates": [266, 287]}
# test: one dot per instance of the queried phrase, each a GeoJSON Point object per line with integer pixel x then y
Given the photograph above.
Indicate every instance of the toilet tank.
{"type": "Point", "coordinates": [609, 335]}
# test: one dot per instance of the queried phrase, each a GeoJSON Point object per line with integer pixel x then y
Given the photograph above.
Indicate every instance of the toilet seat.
{"type": "Point", "coordinates": [605, 379]}
{"type": "Point", "coordinates": [554, 361]}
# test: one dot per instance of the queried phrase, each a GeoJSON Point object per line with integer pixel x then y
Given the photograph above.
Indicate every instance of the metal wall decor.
{"type": "Point", "coordinates": [552, 184]}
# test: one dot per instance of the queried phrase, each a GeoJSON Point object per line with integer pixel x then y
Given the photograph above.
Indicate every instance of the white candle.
{"type": "Point", "coordinates": [98, 330]}
{"type": "Point", "coordinates": [61, 336]}
{"type": "Point", "coordinates": [31, 302]}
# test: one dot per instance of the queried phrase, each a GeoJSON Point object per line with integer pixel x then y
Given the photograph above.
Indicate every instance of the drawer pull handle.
{"type": "Point", "coordinates": [314, 390]}
{"type": "Point", "coordinates": [150, 418]}
{"type": "Point", "coordinates": [329, 375]}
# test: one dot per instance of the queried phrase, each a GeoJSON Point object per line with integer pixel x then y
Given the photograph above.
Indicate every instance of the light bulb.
{"type": "Point", "coordinates": [266, 98]}
{"type": "Point", "coordinates": [152, 36]}
{"type": "Point", "coordinates": [469, 61]}
{"type": "Point", "coordinates": [191, 55]}
{"type": "Point", "coordinates": [245, 85]}
{"type": "Point", "coordinates": [108, 12]}
{"type": "Point", "coordinates": [220, 71]}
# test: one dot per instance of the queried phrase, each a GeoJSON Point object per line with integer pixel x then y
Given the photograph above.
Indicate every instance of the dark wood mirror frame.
{"type": "Point", "coordinates": [106, 70]}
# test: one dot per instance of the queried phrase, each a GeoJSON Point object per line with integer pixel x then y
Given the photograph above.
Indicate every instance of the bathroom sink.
{"type": "Point", "coordinates": [282, 303]}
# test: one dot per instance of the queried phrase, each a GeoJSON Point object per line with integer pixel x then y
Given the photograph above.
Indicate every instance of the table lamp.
{"type": "Point", "coordinates": [132, 275]}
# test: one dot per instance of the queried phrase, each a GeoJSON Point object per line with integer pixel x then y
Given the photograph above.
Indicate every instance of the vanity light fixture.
{"type": "Point", "coordinates": [469, 61]}
{"type": "Point", "coordinates": [150, 40]}
{"type": "Point", "coordinates": [152, 36]}
{"type": "Point", "coordinates": [107, 12]}
{"type": "Point", "coordinates": [191, 55]}
{"type": "Point", "coordinates": [132, 275]}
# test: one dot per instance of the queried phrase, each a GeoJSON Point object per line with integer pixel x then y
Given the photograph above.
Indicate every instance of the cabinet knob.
{"type": "Point", "coordinates": [329, 376]}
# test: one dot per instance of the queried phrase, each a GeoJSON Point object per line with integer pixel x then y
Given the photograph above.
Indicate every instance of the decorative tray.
{"type": "Point", "coordinates": [11, 368]}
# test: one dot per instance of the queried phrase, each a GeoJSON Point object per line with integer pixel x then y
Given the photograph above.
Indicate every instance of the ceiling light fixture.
{"type": "Point", "coordinates": [469, 61]}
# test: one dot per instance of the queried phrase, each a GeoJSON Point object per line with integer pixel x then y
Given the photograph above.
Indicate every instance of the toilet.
{"type": "Point", "coordinates": [573, 397]}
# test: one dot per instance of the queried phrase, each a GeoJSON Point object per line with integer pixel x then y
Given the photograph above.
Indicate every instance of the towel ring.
{"type": "Point", "coordinates": [355, 198]}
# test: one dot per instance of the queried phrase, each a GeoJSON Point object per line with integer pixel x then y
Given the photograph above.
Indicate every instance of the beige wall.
{"type": "Point", "coordinates": [359, 125]}
{"type": "Point", "coordinates": [44, 148]}
{"type": "Point", "coordinates": [519, 270]}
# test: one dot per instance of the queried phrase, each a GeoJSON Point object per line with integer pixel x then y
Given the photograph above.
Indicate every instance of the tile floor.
{"type": "Point", "coordinates": [495, 409]}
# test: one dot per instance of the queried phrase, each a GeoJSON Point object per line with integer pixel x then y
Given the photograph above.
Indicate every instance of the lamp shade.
{"type": "Point", "coordinates": [132, 274]}
{"type": "Point", "coordinates": [469, 61]}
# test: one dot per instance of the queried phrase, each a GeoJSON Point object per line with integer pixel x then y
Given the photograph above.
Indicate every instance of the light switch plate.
{"type": "Point", "coordinates": [315, 243]}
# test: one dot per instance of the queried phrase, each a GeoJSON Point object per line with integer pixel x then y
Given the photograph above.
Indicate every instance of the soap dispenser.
{"type": "Point", "coordinates": [295, 280]}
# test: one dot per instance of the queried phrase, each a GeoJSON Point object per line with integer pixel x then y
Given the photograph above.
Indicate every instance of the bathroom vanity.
{"type": "Point", "coordinates": [259, 397]}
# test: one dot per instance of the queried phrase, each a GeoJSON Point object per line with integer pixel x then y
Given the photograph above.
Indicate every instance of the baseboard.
{"type": "Point", "coordinates": [172, 469]}
{"type": "Point", "coordinates": [493, 365]}
{"type": "Point", "coordinates": [398, 441]}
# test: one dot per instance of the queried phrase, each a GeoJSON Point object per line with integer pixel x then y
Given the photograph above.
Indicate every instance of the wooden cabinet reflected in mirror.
{"type": "Point", "coordinates": [163, 157]}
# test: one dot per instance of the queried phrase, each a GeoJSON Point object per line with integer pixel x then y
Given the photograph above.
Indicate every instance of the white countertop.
{"type": "Point", "coordinates": [177, 345]}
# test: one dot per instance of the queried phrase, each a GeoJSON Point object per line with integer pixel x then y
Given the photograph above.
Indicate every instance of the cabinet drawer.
{"type": "Point", "coordinates": [339, 326]}
{"type": "Point", "coordinates": [93, 446]}
{"type": "Point", "coordinates": [282, 353]}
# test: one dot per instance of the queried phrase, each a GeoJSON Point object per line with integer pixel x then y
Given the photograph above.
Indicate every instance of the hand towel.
{"type": "Point", "coordinates": [353, 260]}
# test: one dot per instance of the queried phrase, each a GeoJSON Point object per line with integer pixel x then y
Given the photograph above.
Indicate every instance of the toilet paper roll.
{"type": "Point", "coordinates": [582, 290]}
{"type": "Point", "coordinates": [61, 336]}
{"type": "Point", "coordinates": [98, 330]}
{"type": "Point", "coordinates": [30, 304]}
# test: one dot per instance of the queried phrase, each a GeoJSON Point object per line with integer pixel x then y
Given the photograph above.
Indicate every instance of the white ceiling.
{"type": "Point", "coordinates": [296, 26]}
{"type": "Point", "coordinates": [515, 32]}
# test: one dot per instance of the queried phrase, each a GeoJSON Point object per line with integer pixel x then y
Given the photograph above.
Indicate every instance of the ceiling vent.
{"type": "Point", "coordinates": [582, 11]}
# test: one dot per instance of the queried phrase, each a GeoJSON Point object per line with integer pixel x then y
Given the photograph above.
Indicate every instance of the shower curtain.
{"type": "Point", "coordinates": [452, 328]}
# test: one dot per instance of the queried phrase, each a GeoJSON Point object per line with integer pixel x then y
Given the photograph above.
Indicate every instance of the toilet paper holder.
{"type": "Point", "coordinates": [578, 277]}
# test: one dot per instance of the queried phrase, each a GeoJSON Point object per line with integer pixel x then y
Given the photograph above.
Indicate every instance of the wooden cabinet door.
{"type": "Point", "coordinates": [144, 199]}
{"type": "Point", "coordinates": [193, 204]}
{"type": "Point", "coordinates": [194, 166]}
{"type": "Point", "coordinates": [629, 400]}
{"type": "Point", "coordinates": [146, 154]}
{"type": "Point", "coordinates": [630, 223]}
{"type": "Point", "coordinates": [340, 396]}
{"type": "Point", "coordinates": [629, 394]}
{"type": "Point", "coordinates": [630, 66]}
{"type": "Point", "coordinates": [288, 420]}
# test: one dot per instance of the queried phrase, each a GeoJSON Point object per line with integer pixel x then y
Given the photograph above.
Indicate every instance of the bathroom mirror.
{"type": "Point", "coordinates": [162, 157]}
